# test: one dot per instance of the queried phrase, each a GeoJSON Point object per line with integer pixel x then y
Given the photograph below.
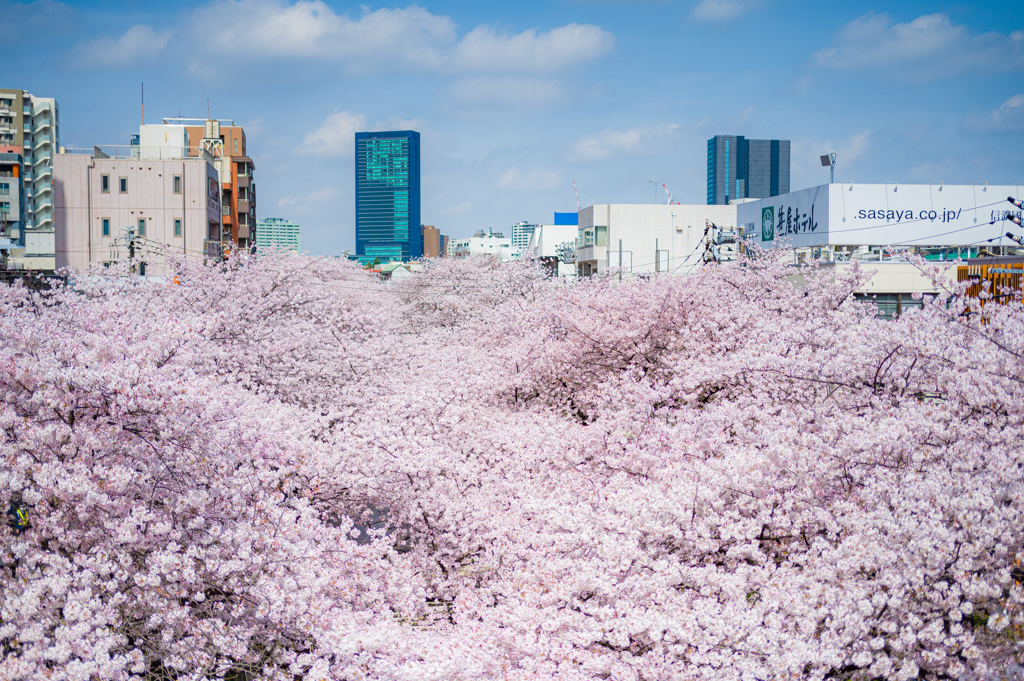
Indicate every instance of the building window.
{"type": "Point", "coordinates": [177, 184]}
{"type": "Point", "coordinates": [5, 188]}
{"type": "Point", "coordinates": [106, 226]}
{"type": "Point", "coordinates": [124, 185]}
{"type": "Point", "coordinates": [105, 183]}
{"type": "Point", "coordinates": [142, 226]}
{"type": "Point", "coordinates": [177, 226]}
{"type": "Point", "coordinates": [236, 145]}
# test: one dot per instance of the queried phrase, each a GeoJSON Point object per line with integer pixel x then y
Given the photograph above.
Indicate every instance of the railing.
{"type": "Point", "coordinates": [148, 153]}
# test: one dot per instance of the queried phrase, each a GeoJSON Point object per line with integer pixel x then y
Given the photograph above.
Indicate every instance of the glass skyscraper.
{"type": "Point", "coordinates": [388, 196]}
{"type": "Point", "coordinates": [739, 168]}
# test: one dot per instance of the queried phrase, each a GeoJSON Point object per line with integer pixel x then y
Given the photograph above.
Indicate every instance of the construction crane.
{"type": "Point", "coordinates": [671, 201]}
{"type": "Point", "coordinates": [577, 193]}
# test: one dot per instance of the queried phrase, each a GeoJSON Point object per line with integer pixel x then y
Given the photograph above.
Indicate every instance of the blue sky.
{"type": "Point", "coordinates": [516, 100]}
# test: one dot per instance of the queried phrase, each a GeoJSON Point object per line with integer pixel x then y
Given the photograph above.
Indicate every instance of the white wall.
{"type": "Point", "coordinates": [678, 232]}
{"type": "Point", "coordinates": [889, 214]}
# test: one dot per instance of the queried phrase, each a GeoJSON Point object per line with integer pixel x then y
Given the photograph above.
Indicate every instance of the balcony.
{"type": "Point", "coordinates": [44, 124]}
{"type": "Point", "coordinates": [42, 205]}
{"type": "Point", "coordinates": [42, 157]}
{"type": "Point", "coordinates": [243, 205]}
{"type": "Point", "coordinates": [46, 141]}
{"type": "Point", "coordinates": [244, 181]}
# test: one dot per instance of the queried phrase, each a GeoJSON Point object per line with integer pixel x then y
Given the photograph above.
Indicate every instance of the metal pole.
{"type": "Point", "coordinates": [657, 264]}
{"type": "Point", "coordinates": [620, 259]}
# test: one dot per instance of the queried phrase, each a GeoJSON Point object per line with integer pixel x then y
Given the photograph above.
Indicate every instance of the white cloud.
{"type": "Point", "coordinates": [336, 136]}
{"type": "Point", "coordinates": [482, 49]}
{"type": "Point", "coordinates": [927, 48]}
{"type": "Point", "coordinates": [318, 197]}
{"type": "Point", "coordinates": [615, 142]}
{"type": "Point", "coordinates": [505, 91]}
{"type": "Point", "coordinates": [1009, 117]}
{"type": "Point", "coordinates": [392, 38]}
{"type": "Point", "coordinates": [409, 39]}
{"type": "Point", "coordinates": [535, 181]}
{"type": "Point", "coordinates": [719, 10]}
{"type": "Point", "coordinates": [464, 208]}
{"type": "Point", "coordinates": [138, 43]}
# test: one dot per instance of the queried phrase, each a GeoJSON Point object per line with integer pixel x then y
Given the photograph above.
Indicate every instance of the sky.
{"type": "Point", "coordinates": [516, 101]}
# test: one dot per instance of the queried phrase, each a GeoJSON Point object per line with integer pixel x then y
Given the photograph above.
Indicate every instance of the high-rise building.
{"type": "Point", "coordinates": [29, 126]}
{"type": "Point", "coordinates": [388, 196]}
{"type": "Point", "coordinates": [278, 233]}
{"type": "Point", "coordinates": [739, 168]}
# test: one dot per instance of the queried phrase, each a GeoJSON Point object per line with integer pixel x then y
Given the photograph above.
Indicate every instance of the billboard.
{"type": "Point", "coordinates": [888, 214]}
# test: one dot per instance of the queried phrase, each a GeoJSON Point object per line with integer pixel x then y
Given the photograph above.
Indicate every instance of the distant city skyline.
{"type": "Point", "coordinates": [516, 101]}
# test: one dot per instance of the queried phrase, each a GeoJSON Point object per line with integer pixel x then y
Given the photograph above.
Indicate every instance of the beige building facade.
{"type": "Point", "coordinates": [114, 200]}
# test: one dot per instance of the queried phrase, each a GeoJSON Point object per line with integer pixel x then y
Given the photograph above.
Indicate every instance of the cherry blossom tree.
{"type": "Point", "coordinates": [283, 468]}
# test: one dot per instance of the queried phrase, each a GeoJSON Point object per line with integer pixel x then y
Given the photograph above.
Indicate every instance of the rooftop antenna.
{"type": "Point", "coordinates": [656, 183]}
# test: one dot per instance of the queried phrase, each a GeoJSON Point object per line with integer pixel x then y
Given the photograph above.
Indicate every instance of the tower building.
{"type": "Point", "coordinates": [388, 196]}
{"type": "Point", "coordinates": [739, 168]}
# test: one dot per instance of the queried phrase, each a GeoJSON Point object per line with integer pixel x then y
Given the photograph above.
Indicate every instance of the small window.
{"type": "Point", "coordinates": [105, 183]}
{"type": "Point", "coordinates": [106, 226]}
{"type": "Point", "coordinates": [177, 227]}
{"type": "Point", "coordinates": [142, 226]}
{"type": "Point", "coordinates": [236, 145]}
{"type": "Point", "coordinates": [124, 185]}
{"type": "Point", "coordinates": [177, 184]}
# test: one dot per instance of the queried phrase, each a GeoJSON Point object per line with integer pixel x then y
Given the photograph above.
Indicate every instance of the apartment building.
{"type": "Point", "coordinates": [29, 127]}
{"type": "Point", "coordinates": [225, 142]}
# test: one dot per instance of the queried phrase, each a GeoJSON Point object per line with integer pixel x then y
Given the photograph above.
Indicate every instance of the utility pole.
{"type": "Point", "coordinates": [131, 248]}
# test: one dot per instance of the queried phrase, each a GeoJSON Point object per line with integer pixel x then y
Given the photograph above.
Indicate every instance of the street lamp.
{"type": "Point", "coordinates": [829, 161]}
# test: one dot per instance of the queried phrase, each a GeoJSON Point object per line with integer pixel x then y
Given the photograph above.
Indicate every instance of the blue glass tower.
{"type": "Point", "coordinates": [739, 168]}
{"type": "Point", "coordinates": [388, 196]}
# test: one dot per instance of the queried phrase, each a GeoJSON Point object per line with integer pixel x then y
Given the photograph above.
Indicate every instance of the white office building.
{"type": "Point", "coordinates": [494, 244]}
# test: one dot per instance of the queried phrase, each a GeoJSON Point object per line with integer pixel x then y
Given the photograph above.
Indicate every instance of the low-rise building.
{"type": "Point", "coordinates": [493, 244]}
{"type": "Point", "coordinates": [112, 202]}
{"type": "Point", "coordinates": [637, 239]}
{"type": "Point", "coordinates": [876, 224]}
